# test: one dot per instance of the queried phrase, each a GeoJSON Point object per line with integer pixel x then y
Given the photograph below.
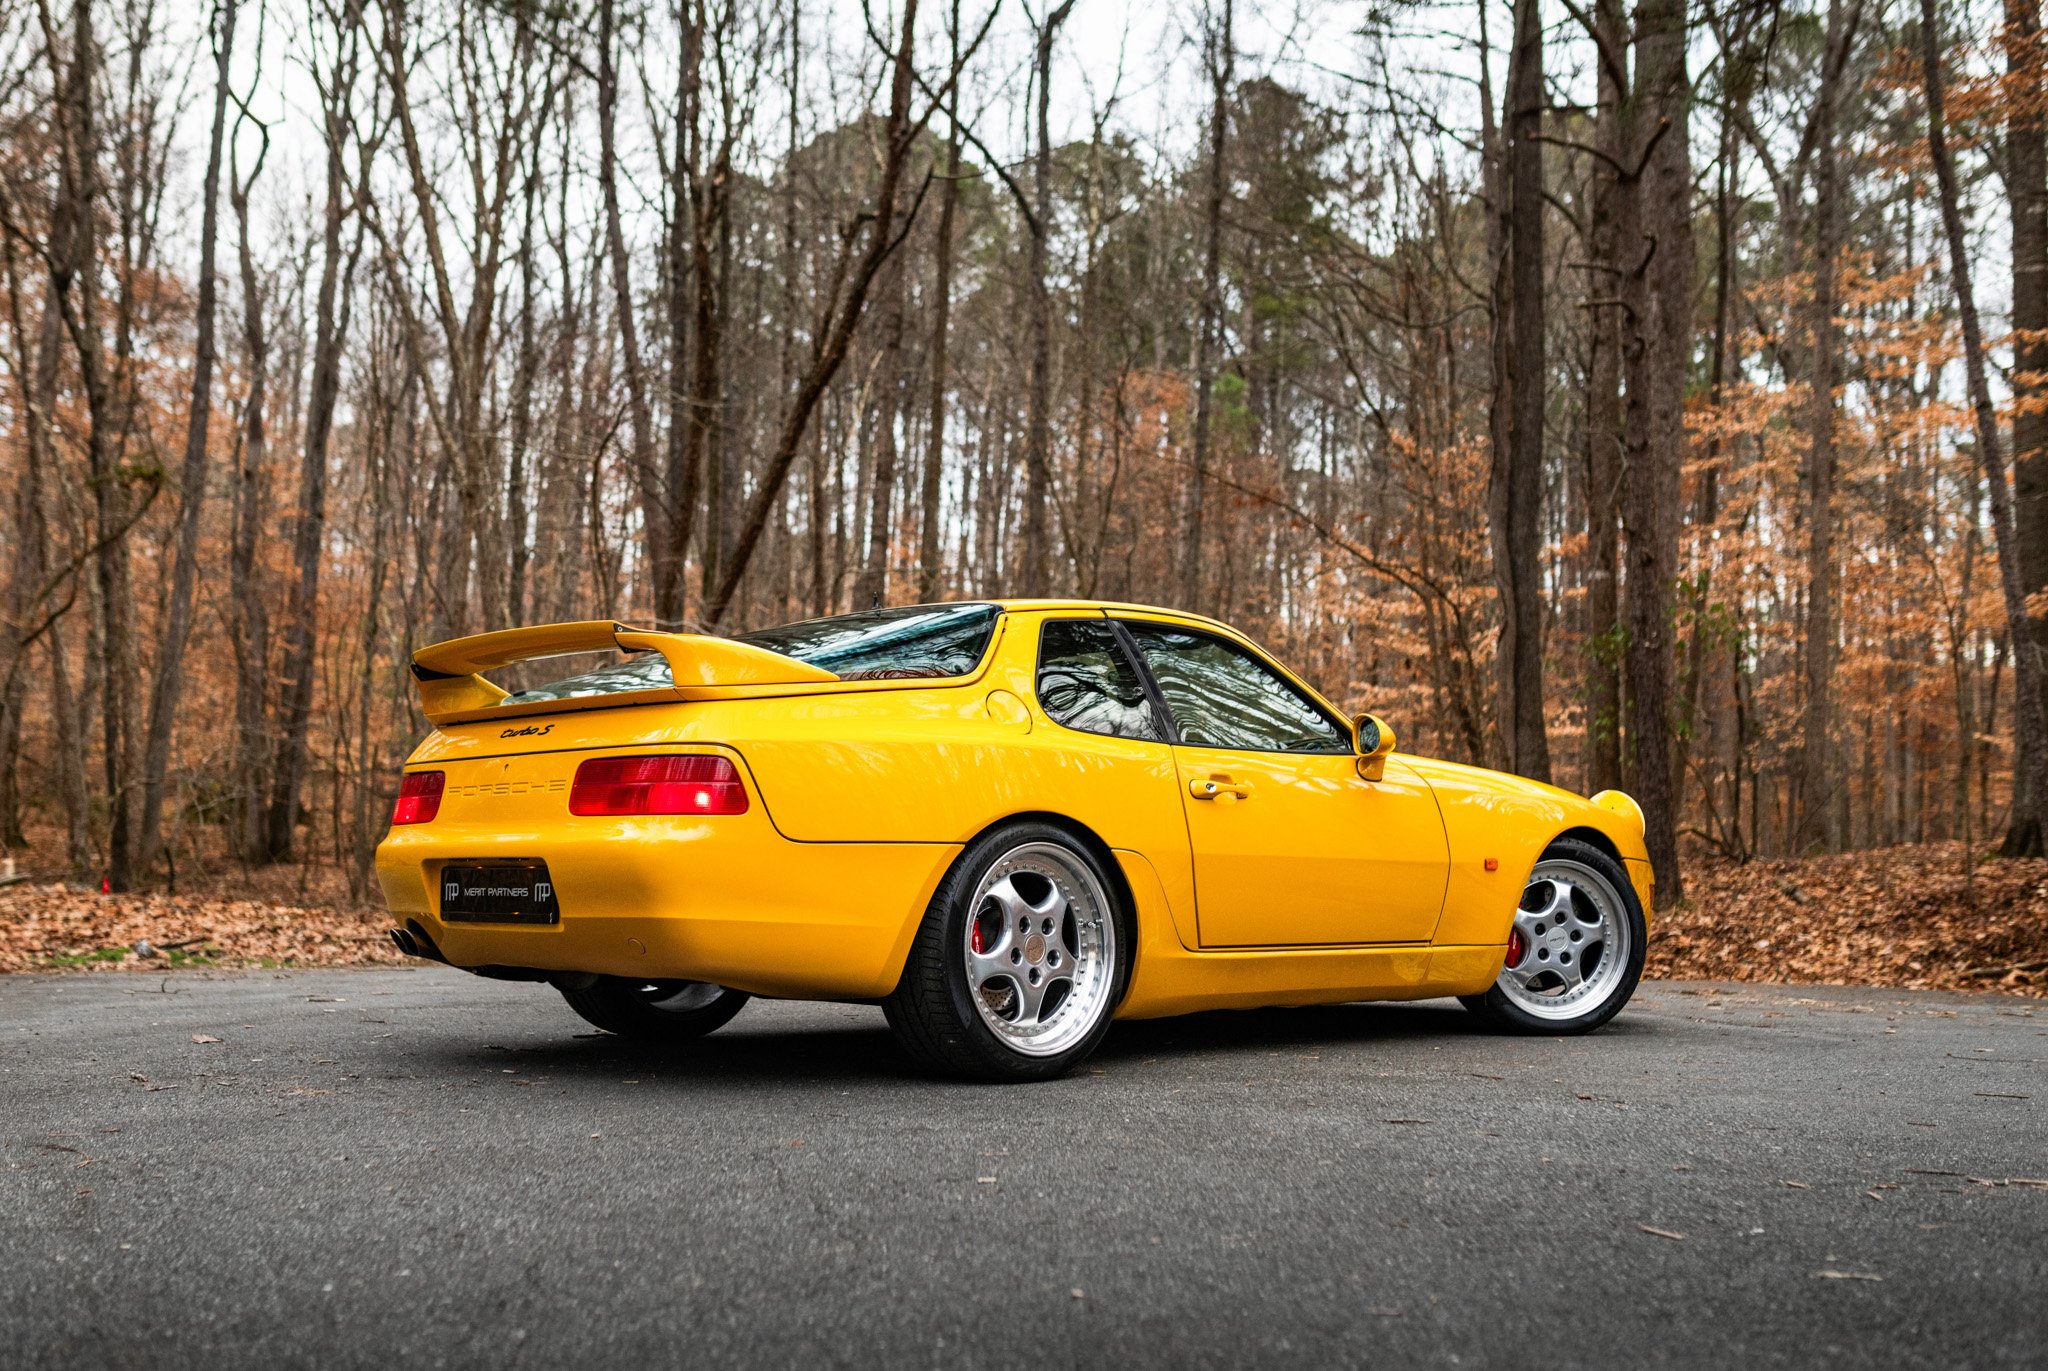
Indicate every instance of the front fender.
{"type": "Point", "coordinates": [1505, 822]}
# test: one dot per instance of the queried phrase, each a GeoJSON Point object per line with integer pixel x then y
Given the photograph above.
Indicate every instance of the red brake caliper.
{"type": "Point", "coordinates": [1515, 947]}
{"type": "Point", "coordinates": [974, 938]}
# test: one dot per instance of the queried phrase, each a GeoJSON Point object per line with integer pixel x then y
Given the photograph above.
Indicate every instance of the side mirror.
{"type": "Point", "coordinates": [1374, 741]}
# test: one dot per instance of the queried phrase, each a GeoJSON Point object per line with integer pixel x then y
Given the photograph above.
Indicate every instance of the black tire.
{"type": "Point", "coordinates": [932, 1010]}
{"type": "Point", "coordinates": [1498, 1007]}
{"type": "Point", "coordinates": [655, 1012]}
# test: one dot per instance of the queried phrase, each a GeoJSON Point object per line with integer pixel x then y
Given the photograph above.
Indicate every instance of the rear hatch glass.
{"type": "Point", "coordinates": [917, 641]}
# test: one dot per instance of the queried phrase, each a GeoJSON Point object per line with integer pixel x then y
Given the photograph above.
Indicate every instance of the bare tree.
{"type": "Point", "coordinates": [647, 474]}
{"type": "Point", "coordinates": [1600, 629]}
{"type": "Point", "coordinates": [1036, 568]}
{"type": "Point", "coordinates": [872, 586]}
{"type": "Point", "coordinates": [336, 83]}
{"type": "Point", "coordinates": [250, 605]}
{"type": "Point", "coordinates": [1515, 491]}
{"type": "Point", "coordinates": [72, 257]}
{"type": "Point", "coordinates": [1222, 62]}
{"type": "Point", "coordinates": [177, 629]}
{"type": "Point", "coordinates": [865, 244]}
{"type": "Point", "coordinates": [1818, 766]}
{"type": "Point", "coordinates": [931, 487]}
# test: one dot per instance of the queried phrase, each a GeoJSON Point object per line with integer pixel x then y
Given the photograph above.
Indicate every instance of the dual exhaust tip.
{"type": "Point", "coordinates": [413, 941]}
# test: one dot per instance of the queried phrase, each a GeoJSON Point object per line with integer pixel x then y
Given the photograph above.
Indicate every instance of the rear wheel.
{"type": "Point", "coordinates": [655, 1011]}
{"type": "Point", "coordinates": [1021, 960]}
{"type": "Point", "coordinates": [1575, 950]}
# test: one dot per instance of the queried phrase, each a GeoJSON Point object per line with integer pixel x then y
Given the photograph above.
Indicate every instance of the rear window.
{"type": "Point", "coordinates": [887, 644]}
{"type": "Point", "coordinates": [915, 642]}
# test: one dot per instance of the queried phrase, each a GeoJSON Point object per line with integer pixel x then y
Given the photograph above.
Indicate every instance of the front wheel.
{"type": "Point", "coordinates": [1022, 957]}
{"type": "Point", "coordinates": [1575, 950]}
{"type": "Point", "coordinates": [655, 1012]}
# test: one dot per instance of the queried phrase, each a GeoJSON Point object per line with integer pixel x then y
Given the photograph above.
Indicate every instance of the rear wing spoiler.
{"type": "Point", "coordinates": [450, 676]}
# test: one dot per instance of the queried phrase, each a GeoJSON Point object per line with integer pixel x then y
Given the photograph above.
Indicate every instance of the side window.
{"type": "Point", "coordinates": [1222, 696]}
{"type": "Point", "coordinates": [1085, 682]}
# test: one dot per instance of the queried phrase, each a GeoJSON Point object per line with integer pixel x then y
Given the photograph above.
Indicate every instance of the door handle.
{"type": "Point", "coordinates": [1216, 787]}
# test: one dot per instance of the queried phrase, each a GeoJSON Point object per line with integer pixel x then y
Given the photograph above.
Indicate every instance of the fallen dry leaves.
{"type": "Point", "coordinates": [1917, 917]}
{"type": "Point", "coordinates": [61, 927]}
{"type": "Point", "coordinates": [1903, 916]}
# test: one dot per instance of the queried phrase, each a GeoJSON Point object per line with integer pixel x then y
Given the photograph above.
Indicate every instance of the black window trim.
{"type": "Point", "coordinates": [1167, 722]}
{"type": "Point", "coordinates": [1128, 649]}
{"type": "Point", "coordinates": [1343, 727]}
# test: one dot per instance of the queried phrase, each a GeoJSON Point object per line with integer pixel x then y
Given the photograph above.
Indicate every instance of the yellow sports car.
{"type": "Point", "coordinates": [1007, 823]}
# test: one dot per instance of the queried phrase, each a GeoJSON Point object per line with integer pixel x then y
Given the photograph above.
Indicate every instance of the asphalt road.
{"type": "Point", "coordinates": [420, 1168]}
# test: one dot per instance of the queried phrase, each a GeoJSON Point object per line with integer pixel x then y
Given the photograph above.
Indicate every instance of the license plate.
{"type": "Point", "coordinates": [508, 892]}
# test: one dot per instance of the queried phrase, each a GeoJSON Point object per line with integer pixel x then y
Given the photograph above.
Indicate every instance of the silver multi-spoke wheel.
{"type": "Point", "coordinates": [1020, 961]}
{"type": "Point", "coordinates": [1040, 949]}
{"type": "Point", "coordinates": [1570, 948]}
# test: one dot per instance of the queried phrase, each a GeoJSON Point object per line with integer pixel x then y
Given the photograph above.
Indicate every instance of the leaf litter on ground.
{"type": "Point", "coordinates": [1914, 917]}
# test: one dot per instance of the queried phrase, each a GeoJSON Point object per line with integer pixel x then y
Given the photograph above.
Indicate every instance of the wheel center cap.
{"type": "Point", "coordinates": [1034, 948]}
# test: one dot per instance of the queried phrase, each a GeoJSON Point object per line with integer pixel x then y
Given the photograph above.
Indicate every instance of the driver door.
{"type": "Point", "coordinates": [1291, 848]}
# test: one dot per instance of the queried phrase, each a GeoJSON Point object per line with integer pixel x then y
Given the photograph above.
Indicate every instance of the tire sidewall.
{"type": "Point", "coordinates": [954, 910]}
{"type": "Point", "coordinates": [613, 1005]}
{"type": "Point", "coordinates": [1505, 1011]}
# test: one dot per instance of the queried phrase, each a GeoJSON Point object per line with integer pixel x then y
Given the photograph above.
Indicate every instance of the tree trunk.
{"type": "Point", "coordinates": [526, 374]}
{"type": "Point", "coordinates": [1038, 415]}
{"type": "Point", "coordinates": [1707, 509]}
{"type": "Point", "coordinates": [73, 261]}
{"type": "Point", "coordinates": [928, 554]}
{"type": "Point", "coordinates": [1659, 351]}
{"type": "Point", "coordinates": [640, 426]}
{"type": "Point", "coordinates": [177, 630]}
{"type": "Point", "coordinates": [309, 520]}
{"type": "Point", "coordinates": [1209, 315]}
{"type": "Point", "coordinates": [2026, 184]}
{"type": "Point", "coordinates": [1817, 769]}
{"type": "Point", "coordinates": [872, 588]}
{"type": "Point", "coordinates": [1603, 429]}
{"type": "Point", "coordinates": [245, 592]}
{"type": "Point", "coordinates": [699, 198]}
{"type": "Point", "coordinates": [719, 469]}
{"type": "Point", "coordinates": [34, 374]}
{"type": "Point", "coordinates": [2030, 748]}
{"type": "Point", "coordinates": [1515, 488]}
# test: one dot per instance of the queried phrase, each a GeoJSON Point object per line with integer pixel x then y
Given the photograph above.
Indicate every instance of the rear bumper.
{"type": "Point", "coordinates": [727, 900]}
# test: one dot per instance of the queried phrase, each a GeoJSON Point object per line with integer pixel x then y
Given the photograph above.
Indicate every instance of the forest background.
{"type": "Point", "coordinates": [1643, 394]}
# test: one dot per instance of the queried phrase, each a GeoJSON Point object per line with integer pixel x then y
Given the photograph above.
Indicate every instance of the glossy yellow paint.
{"type": "Point", "coordinates": [1317, 886]}
{"type": "Point", "coordinates": [1293, 849]}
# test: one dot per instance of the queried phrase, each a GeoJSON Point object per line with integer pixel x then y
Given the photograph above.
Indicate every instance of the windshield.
{"type": "Point", "coordinates": [918, 641]}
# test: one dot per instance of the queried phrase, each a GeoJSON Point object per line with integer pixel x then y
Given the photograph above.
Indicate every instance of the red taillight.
{"type": "Point", "coordinates": [419, 797]}
{"type": "Point", "coordinates": [657, 785]}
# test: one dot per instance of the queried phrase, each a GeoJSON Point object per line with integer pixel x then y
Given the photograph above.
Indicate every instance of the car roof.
{"type": "Point", "coordinates": [1109, 606]}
